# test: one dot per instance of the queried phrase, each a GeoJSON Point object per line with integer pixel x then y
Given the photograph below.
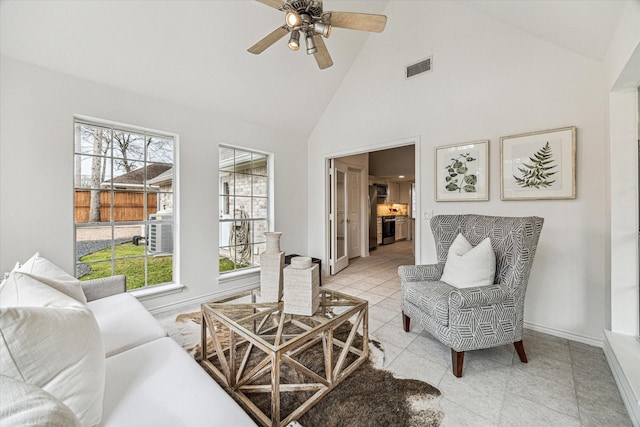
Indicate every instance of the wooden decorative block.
{"type": "Point", "coordinates": [301, 290]}
{"type": "Point", "coordinates": [271, 282]}
{"type": "Point", "coordinates": [301, 262]}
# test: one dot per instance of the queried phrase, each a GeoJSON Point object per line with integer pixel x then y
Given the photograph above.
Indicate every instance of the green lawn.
{"type": "Point", "coordinates": [227, 265]}
{"type": "Point", "coordinates": [160, 268]}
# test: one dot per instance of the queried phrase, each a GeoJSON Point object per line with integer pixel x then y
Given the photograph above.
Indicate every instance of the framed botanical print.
{"type": "Point", "coordinates": [462, 172]}
{"type": "Point", "coordinates": [539, 165]}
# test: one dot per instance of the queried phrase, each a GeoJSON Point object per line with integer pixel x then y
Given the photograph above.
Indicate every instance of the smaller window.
{"type": "Point", "coordinates": [244, 207]}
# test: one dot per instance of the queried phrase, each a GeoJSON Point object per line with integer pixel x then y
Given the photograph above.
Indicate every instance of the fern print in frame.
{"type": "Point", "coordinates": [462, 172]}
{"type": "Point", "coordinates": [539, 165]}
{"type": "Point", "coordinates": [538, 174]}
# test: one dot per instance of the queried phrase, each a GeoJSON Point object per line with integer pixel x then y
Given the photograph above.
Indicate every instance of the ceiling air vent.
{"type": "Point", "coordinates": [419, 67]}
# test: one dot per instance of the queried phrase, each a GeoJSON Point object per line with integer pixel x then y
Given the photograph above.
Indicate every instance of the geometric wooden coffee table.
{"type": "Point", "coordinates": [248, 345]}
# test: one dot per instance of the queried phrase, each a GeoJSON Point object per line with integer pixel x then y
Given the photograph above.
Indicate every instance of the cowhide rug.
{"type": "Point", "coordinates": [369, 397]}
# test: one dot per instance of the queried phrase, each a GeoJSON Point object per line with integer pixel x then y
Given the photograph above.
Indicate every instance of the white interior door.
{"type": "Point", "coordinates": [338, 218]}
{"type": "Point", "coordinates": [353, 216]}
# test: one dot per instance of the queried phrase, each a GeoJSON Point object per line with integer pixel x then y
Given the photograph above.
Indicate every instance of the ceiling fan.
{"type": "Point", "coordinates": [305, 18]}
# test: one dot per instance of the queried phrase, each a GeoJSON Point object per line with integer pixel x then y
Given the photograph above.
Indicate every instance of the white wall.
{"type": "Point", "coordinates": [623, 107]}
{"type": "Point", "coordinates": [622, 65]}
{"type": "Point", "coordinates": [488, 80]}
{"type": "Point", "coordinates": [36, 170]}
{"type": "Point", "coordinates": [623, 44]}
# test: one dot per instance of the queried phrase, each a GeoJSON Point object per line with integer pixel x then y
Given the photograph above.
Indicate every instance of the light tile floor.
{"type": "Point", "coordinates": [565, 383]}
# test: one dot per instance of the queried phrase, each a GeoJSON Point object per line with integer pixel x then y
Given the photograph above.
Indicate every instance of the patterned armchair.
{"type": "Point", "coordinates": [477, 317]}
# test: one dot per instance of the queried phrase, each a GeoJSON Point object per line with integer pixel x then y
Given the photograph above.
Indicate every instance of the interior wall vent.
{"type": "Point", "coordinates": [419, 67]}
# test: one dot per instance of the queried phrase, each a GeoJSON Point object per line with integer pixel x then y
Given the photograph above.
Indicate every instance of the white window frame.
{"type": "Point", "coordinates": [232, 275]}
{"type": "Point", "coordinates": [147, 290]}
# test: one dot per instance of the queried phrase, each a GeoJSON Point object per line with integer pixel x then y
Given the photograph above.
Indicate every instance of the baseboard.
{"type": "Point", "coordinates": [202, 298]}
{"type": "Point", "coordinates": [622, 353]}
{"type": "Point", "coordinates": [564, 334]}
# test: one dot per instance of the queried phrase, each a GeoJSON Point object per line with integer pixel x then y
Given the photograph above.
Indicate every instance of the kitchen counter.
{"type": "Point", "coordinates": [396, 209]}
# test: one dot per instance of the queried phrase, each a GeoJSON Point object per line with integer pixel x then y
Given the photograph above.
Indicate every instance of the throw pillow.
{"type": "Point", "coordinates": [23, 290]}
{"type": "Point", "coordinates": [6, 275]}
{"type": "Point", "coordinates": [25, 405]}
{"type": "Point", "coordinates": [49, 273]}
{"type": "Point", "coordinates": [56, 346]}
{"type": "Point", "coordinates": [467, 266]}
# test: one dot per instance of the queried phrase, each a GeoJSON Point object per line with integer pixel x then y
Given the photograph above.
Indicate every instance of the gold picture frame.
{"type": "Point", "coordinates": [462, 172]}
{"type": "Point", "coordinates": [538, 165]}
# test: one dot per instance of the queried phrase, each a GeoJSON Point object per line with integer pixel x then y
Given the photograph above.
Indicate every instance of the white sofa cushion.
{"type": "Point", "coordinates": [52, 275]}
{"type": "Point", "coordinates": [25, 405]}
{"type": "Point", "coordinates": [469, 266]}
{"type": "Point", "coordinates": [159, 384]}
{"type": "Point", "coordinates": [56, 346]}
{"type": "Point", "coordinates": [124, 323]}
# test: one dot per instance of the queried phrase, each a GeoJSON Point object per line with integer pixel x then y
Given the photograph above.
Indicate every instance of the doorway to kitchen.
{"type": "Point", "coordinates": [372, 201]}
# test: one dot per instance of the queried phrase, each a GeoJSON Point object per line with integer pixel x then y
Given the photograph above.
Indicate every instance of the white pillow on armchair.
{"type": "Point", "coordinates": [469, 266]}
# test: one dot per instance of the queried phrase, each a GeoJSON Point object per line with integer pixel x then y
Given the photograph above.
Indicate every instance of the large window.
{"type": "Point", "coordinates": [124, 204]}
{"type": "Point", "coordinates": [244, 207]}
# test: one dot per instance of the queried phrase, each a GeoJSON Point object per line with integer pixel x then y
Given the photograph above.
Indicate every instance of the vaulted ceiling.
{"type": "Point", "coordinates": [194, 52]}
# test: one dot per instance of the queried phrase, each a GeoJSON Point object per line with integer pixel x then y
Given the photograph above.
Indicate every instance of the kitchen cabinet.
{"type": "Point", "coordinates": [393, 192]}
{"type": "Point", "coordinates": [405, 192]}
{"type": "Point", "coordinates": [402, 227]}
{"type": "Point", "coordinates": [379, 230]}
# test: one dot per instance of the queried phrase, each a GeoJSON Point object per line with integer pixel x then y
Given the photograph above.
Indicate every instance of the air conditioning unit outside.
{"type": "Point", "coordinates": [161, 233]}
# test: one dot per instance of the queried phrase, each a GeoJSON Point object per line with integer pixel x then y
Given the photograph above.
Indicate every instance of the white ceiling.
{"type": "Point", "coordinates": [194, 52]}
{"type": "Point", "coordinates": [584, 26]}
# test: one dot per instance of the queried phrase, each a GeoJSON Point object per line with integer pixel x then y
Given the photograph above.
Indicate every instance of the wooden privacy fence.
{"type": "Point", "coordinates": [127, 206]}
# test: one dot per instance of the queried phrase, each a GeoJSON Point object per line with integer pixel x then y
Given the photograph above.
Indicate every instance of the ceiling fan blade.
{"type": "Point", "coordinates": [322, 55]}
{"type": "Point", "coordinates": [358, 21]}
{"type": "Point", "coordinates": [276, 4]}
{"type": "Point", "coordinates": [268, 40]}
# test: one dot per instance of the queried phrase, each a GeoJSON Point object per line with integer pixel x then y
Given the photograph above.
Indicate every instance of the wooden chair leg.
{"type": "Point", "coordinates": [405, 322]}
{"type": "Point", "coordinates": [520, 349]}
{"type": "Point", "coordinates": [457, 359]}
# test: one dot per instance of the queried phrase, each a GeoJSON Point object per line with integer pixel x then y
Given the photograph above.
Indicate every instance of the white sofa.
{"type": "Point", "coordinates": [110, 362]}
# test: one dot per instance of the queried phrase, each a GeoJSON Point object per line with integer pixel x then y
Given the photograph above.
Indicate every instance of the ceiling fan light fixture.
{"type": "Point", "coordinates": [307, 18]}
{"type": "Point", "coordinates": [294, 40]}
{"type": "Point", "coordinates": [293, 19]}
{"type": "Point", "coordinates": [322, 29]}
{"type": "Point", "coordinates": [311, 45]}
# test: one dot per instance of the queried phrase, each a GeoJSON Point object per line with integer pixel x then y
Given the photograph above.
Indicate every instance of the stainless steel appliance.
{"type": "Point", "coordinates": [382, 191]}
{"type": "Point", "coordinates": [373, 217]}
{"type": "Point", "coordinates": [388, 229]}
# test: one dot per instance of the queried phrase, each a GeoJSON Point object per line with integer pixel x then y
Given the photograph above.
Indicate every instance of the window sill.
{"type": "Point", "coordinates": [250, 276]}
{"type": "Point", "coordinates": [225, 277]}
{"type": "Point", "coordinates": [156, 291]}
